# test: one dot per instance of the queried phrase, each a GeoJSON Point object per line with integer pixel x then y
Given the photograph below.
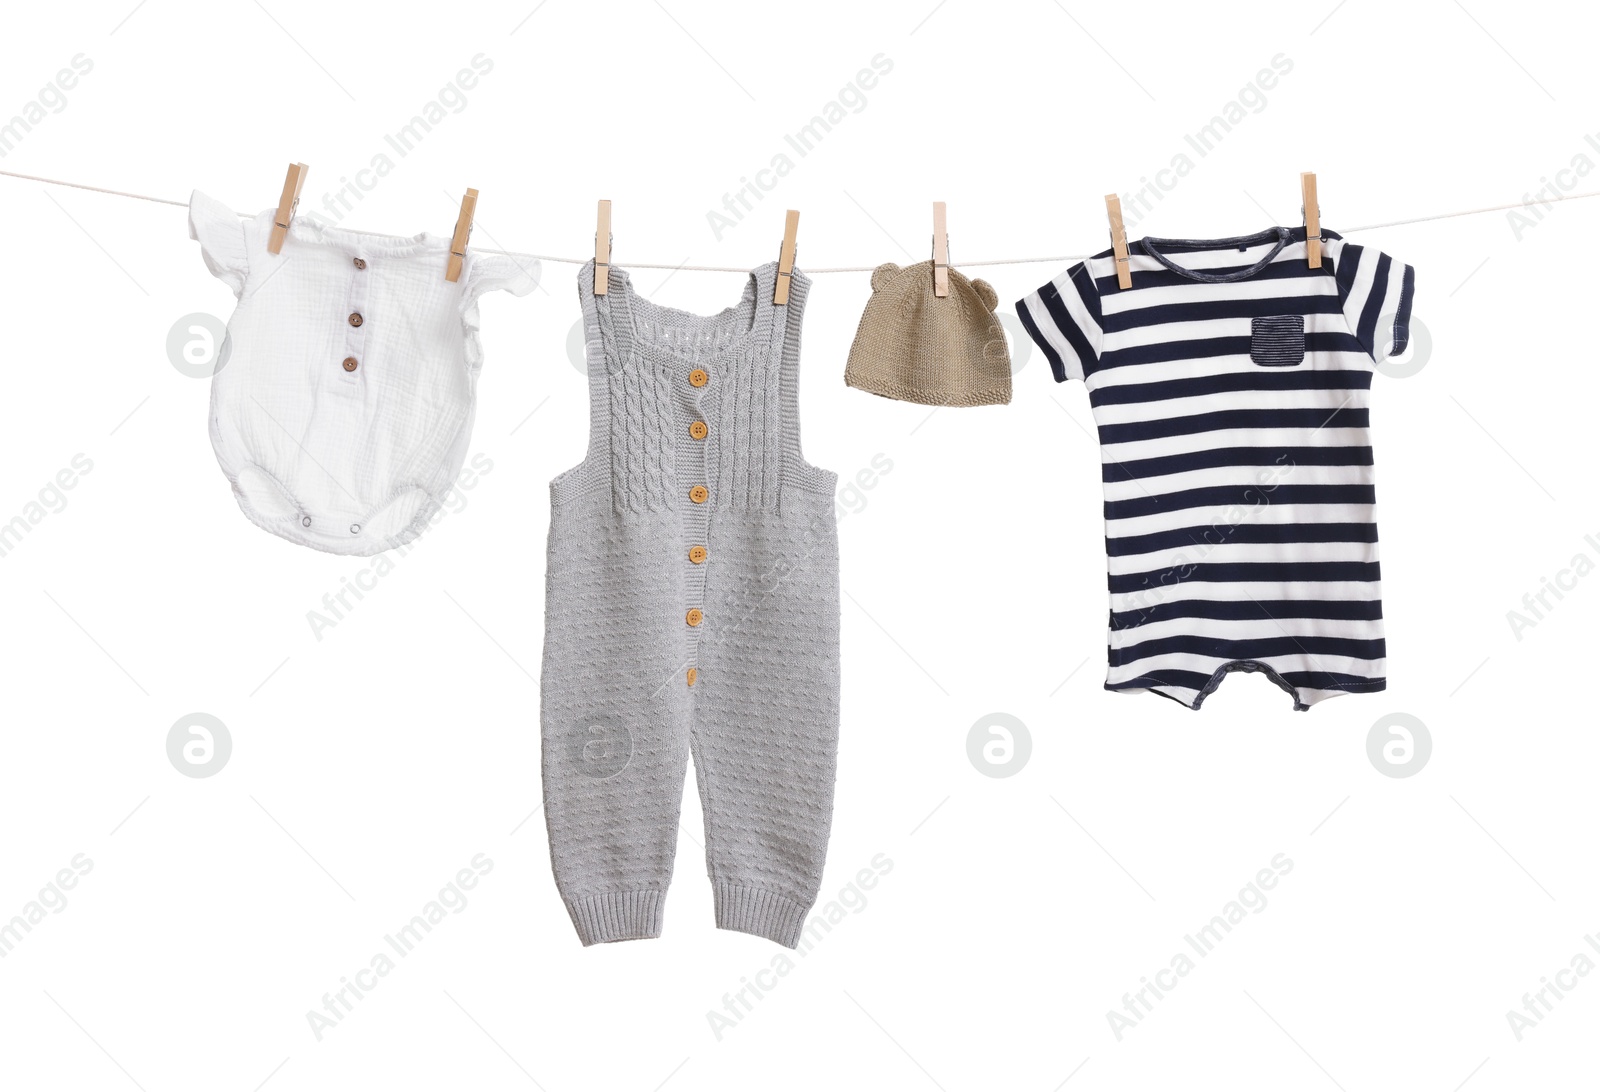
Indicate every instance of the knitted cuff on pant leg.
{"type": "Point", "coordinates": [616, 915]}
{"type": "Point", "coordinates": [761, 912]}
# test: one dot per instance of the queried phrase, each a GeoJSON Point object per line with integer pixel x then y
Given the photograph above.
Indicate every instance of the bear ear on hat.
{"type": "Point", "coordinates": [883, 275]}
{"type": "Point", "coordinates": [986, 293]}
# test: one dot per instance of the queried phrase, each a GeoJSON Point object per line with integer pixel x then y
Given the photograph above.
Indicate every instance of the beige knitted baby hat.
{"type": "Point", "coordinates": [918, 347]}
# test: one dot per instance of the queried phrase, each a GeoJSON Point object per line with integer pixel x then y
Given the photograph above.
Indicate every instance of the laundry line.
{"type": "Point", "coordinates": [1055, 259]}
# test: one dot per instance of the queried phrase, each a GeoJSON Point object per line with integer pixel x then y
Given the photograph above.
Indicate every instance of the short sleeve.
{"type": "Point", "coordinates": [1063, 318]}
{"type": "Point", "coordinates": [1375, 292]}
{"type": "Point", "coordinates": [220, 232]}
{"type": "Point", "coordinates": [498, 272]}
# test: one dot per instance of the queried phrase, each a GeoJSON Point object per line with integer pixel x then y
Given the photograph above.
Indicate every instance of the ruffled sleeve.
{"type": "Point", "coordinates": [220, 232]}
{"type": "Point", "coordinates": [498, 272]}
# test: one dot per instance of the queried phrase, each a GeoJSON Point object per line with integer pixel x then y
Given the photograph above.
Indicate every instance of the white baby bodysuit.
{"type": "Point", "coordinates": [342, 412]}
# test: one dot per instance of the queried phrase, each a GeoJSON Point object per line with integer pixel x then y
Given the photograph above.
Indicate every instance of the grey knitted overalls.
{"type": "Point", "coordinates": [691, 607]}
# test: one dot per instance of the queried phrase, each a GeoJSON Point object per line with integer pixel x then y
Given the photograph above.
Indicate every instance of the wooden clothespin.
{"type": "Point", "coordinates": [292, 185]}
{"type": "Point", "coordinates": [458, 241]}
{"type": "Point", "coordinates": [1313, 217]}
{"type": "Point", "coordinates": [602, 249]}
{"type": "Point", "coordinates": [791, 227]}
{"type": "Point", "coordinates": [1119, 241]}
{"type": "Point", "coordinates": [941, 253]}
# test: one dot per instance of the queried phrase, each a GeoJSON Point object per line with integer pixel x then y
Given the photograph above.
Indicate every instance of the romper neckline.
{"type": "Point", "coordinates": [363, 243]}
{"type": "Point", "coordinates": [743, 327]}
{"type": "Point", "coordinates": [1280, 236]}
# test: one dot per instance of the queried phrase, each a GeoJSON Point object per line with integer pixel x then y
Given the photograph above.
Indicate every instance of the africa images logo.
{"type": "Point", "coordinates": [601, 747]}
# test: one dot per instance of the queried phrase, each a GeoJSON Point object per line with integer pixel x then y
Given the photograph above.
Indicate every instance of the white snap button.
{"type": "Point", "coordinates": [305, 521]}
{"type": "Point", "coordinates": [355, 528]}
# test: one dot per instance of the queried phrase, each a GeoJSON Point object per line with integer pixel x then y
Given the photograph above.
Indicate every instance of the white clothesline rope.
{"type": "Point", "coordinates": [1054, 259]}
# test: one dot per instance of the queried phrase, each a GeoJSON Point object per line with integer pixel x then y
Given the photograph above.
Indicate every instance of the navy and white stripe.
{"type": "Point", "coordinates": [1230, 387]}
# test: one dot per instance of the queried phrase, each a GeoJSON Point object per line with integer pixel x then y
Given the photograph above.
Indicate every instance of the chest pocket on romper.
{"type": "Point", "coordinates": [1278, 341]}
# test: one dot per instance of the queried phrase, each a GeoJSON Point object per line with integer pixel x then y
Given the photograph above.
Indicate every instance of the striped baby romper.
{"type": "Point", "coordinates": [691, 608]}
{"type": "Point", "coordinates": [1230, 388]}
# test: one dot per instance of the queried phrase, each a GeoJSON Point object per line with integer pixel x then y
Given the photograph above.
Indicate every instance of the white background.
{"type": "Point", "coordinates": [371, 765]}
